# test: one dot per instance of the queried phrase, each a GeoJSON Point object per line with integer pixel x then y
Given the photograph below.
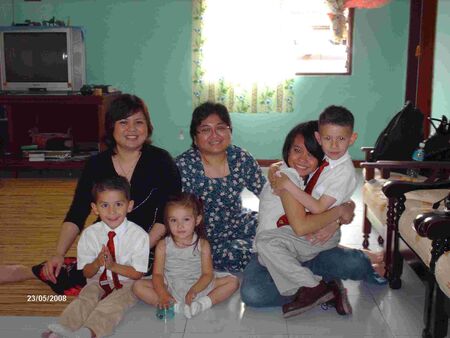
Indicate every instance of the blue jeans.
{"type": "Point", "coordinates": [259, 290]}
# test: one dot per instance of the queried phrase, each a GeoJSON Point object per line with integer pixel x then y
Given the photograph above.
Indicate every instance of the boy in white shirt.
{"type": "Point", "coordinates": [332, 184]}
{"type": "Point", "coordinates": [112, 254]}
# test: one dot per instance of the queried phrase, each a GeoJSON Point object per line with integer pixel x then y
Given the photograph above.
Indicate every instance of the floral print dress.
{"type": "Point", "coordinates": [229, 227]}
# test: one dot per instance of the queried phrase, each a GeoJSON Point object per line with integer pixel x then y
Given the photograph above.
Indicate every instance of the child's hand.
{"type": "Point", "coordinates": [108, 260]}
{"type": "Point", "coordinates": [100, 260]}
{"type": "Point", "coordinates": [190, 296]}
{"type": "Point", "coordinates": [323, 235]}
{"type": "Point", "coordinates": [348, 212]}
{"type": "Point", "coordinates": [274, 167]}
{"type": "Point", "coordinates": [280, 181]}
{"type": "Point", "coordinates": [166, 300]}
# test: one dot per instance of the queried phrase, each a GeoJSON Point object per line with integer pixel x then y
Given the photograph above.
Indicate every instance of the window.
{"type": "Point", "coordinates": [322, 39]}
{"type": "Point", "coordinates": [246, 53]}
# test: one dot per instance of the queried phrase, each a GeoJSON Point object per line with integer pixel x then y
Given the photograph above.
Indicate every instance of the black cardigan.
{"type": "Point", "coordinates": [155, 177]}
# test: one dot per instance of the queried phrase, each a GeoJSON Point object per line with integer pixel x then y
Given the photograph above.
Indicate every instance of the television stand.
{"type": "Point", "coordinates": [84, 115]}
{"type": "Point", "coordinates": [42, 92]}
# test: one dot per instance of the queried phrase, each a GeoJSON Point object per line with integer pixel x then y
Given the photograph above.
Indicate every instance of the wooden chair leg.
{"type": "Point", "coordinates": [435, 316]}
{"type": "Point", "coordinates": [396, 269]}
{"type": "Point", "coordinates": [367, 228]}
{"type": "Point", "coordinates": [380, 240]}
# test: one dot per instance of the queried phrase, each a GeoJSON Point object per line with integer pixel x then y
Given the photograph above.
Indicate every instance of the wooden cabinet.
{"type": "Point", "coordinates": [84, 115]}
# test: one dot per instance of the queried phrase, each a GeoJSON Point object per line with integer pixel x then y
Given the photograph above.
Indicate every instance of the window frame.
{"type": "Point", "coordinates": [351, 14]}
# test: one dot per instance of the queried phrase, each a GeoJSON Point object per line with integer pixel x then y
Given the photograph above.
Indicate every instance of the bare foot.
{"type": "Point", "coordinates": [15, 273]}
{"type": "Point", "coordinates": [380, 268]}
{"type": "Point", "coordinates": [375, 257]}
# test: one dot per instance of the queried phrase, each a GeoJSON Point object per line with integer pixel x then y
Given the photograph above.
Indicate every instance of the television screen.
{"type": "Point", "coordinates": [36, 57]}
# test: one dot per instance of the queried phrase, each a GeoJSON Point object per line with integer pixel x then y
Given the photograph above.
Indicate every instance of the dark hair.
{"type": "Point", "coordinates": [338, 115]}
{"type": "Point", "coordinates": [203, 111]}
{"type": "Point", "coordinates": [115, 183]}
{"type": "Point", "coordinates": [187, 200]}
{"type": "Point", "coordinates": [306, 129]}
{"type": "Point", "coordinates": [122, 107]}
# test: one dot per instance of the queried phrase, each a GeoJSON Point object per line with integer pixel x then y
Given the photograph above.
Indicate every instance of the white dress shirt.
{"type": "Point", "coordinates": [131, 245]}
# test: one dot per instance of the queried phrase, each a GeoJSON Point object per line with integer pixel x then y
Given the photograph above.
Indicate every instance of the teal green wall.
{"type": "Point", "coordinates": [441, 77]}
{"type": "Point", "coordinates": [143, 47]}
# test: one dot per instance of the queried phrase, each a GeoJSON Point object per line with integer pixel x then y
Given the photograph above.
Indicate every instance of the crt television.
{"type": "Point", "coordinates": [42, 58]}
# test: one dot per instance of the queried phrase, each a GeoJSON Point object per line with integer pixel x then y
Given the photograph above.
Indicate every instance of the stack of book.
{"type": "Point", "coordinates": [36, 157]}
{"type": "Point", "coordinates": [47, 155]}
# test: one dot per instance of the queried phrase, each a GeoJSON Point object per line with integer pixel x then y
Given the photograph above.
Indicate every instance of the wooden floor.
{"type": "Point", "coordinates": [31, 212]}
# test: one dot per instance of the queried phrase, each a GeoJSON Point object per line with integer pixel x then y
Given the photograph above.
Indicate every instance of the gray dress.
{"type": "Point", "coordinates": [183, 268]}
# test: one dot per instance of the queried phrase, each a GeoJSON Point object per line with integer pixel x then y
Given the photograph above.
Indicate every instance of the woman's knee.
{"type": "Point", "coordinates": [251, 296]}
{"type": "Point", "coordinates": [356, 265]}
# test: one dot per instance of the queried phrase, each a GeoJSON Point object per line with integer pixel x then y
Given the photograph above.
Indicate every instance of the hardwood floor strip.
{"type": "Point", "coordinates": [31, 213]}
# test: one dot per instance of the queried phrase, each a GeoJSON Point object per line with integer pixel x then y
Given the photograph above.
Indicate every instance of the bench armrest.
{"type": "Point", "coordinates": [398, 188]}
{"type": "Point", "coordinates": [434, 225]}
{"type": "Point", "coordinates": [438, 169]}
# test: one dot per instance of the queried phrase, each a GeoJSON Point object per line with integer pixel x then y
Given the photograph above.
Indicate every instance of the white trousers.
{"type": "Point", "coordinates": [281, 250]}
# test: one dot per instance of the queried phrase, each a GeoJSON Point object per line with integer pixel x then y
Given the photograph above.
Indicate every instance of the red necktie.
{"type": "Point", "coordinates": [312, 182]}
{"type": "Point", "coordinates": [283, 220]}
{"type": "Point", "coordinates": [104, 284]}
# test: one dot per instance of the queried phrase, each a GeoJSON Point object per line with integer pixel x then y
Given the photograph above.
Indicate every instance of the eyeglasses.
{"type": "Point", "coordinates": [207, 130]}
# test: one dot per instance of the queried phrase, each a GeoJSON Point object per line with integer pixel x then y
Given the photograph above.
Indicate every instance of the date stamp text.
{"type": "Point", "coordinates": [46, 298]}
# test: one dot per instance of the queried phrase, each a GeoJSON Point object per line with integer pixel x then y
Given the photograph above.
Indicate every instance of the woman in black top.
{"type": "Point", "coordinates": [151, 172]}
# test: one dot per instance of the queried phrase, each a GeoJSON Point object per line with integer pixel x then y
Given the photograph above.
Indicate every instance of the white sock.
{"type": "Point", "coordinates": [50, 334]}
{"type": "Point", "coordinates": [200, 305]}
{"type": "Point", "coordinates": [177, 308]}
{"type": "Point", "coordinates": [84, 332]}
{"type": "Point", "coordinates": [61, 330]}
{"type": "Point", "coordinates": [187, 311]}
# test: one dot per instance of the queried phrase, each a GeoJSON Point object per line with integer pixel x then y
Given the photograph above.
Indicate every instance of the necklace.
{"type": "Point", "coordinates": [128, 173]}
{"type": "Point", "coordinates": [215, 171]}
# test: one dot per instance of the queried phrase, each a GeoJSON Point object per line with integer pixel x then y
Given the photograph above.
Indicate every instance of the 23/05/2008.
{"type": "Point", "coordinates": [46, 298]}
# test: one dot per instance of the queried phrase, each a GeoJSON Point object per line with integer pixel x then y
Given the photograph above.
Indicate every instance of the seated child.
{"type": "Point", "coordinates": [112, 254]}
{"type": "Point", "coordinates": [183, 271]}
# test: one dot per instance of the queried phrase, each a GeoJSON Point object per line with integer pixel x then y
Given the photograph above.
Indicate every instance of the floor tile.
{"type": "Point", "coordinates": [366, 320]}
{"type": "Point", "coordinates": [33, 323]}
{"type": "Point", "coordinates": [404, 315]}
{"type": "Point", "coordinates": [22, 333]}
{"type": "Point", "coordinates": [142, 319]}
{"type": "Point", "coordinates": [234, 335]}
{"type": "Point", "coordinates": [411, 286]}
{"type": "Point", "coordinates": [233, 316]}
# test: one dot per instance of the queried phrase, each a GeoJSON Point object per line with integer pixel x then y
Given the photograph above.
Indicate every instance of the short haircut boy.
{"type": "Point", "coordinates": [117, 183]}
{"type": "Point", "coordinates": [337, 115]}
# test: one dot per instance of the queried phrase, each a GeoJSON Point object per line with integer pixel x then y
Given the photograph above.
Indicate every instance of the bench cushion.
{"type": "Point", "coordinates": [418, 201]}
{"type": "Point", "coordinates": [442, 273]}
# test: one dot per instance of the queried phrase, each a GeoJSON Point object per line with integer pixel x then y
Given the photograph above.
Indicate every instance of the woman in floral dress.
{"type": "Point", "coordinates": [217, 172]}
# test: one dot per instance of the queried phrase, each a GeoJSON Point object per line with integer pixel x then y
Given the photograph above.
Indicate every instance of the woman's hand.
{"type": "Point", "coordinates": [323, 235]}
{"type": "Point", "coordinates": [52, 268]}
{"type": "Point", "coordinates": [190, 296]}
{"type": "Point", "coordinates": [166, 300]}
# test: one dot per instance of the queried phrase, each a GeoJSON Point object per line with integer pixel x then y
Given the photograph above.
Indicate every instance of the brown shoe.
{"type": "Point", "coordinates": [306, 298]}
{"type": "Point", "coordinates": [340, 300]}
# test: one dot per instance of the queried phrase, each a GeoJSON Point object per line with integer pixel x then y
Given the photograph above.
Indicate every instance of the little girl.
{"type": "Point", "coordinates": [183, 271]}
